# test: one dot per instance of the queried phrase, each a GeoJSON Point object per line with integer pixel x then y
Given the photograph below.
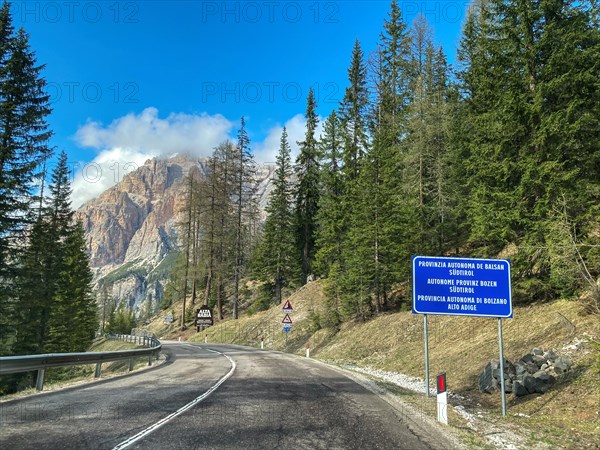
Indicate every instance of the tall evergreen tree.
{"type": "Point", "coordinates": [277, 260]}
{"type": "Point", "coordinates": [55, 303]}
{"type": "Point", "coordinates": [307, 192]}
{"type": "Point", "coordinates": [392, 85]}
{"type": "Point", "coordinates": [353, 113]}
{"type": "Point", "coordinates": [24, 135]}
{"type": "Point", "coordinates": [73, 318]}
{"type": "Point", "coordinates": [329, 218]}
{"type": "Point", "coordinates": [378, 222]}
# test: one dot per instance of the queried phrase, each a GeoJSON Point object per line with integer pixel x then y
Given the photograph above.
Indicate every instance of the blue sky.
{"type": "Point", "coordinates": [134, 79]}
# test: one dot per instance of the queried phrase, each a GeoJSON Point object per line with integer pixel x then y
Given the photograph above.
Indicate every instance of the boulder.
{"type": "Point", "coordinates": [518, 389]}
{"type": "Point", "coordinates": [532, 384]}
{"type": "Point", "coordinates": [487, 382]}
{"type": "Point", "coordinates": [544, 381]}
{"type": "Point", "coordinates": [538, 360]}
{"type": "Point", "coordinates": [534, 373]}
{"type": "Point", "coordinates": [550, 356]}
{"type": "Point", "coordinates": [531, 368]}
{"type": "Point", "coordinates": [489, 379]}
{"type": "Point", "coordinates": [509, 368]}
{"type": "Point", "coordinates": [527, 358]}
{"type": "Point", "coordinates": [565, 361]}
{"type": "Point", "coordinates": [520, 368]}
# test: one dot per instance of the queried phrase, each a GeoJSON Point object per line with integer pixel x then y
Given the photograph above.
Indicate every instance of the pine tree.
{"type": "Point", "coordinates": [307, 192]}
{"type": "Point", "coordinates": [24, 137]}
{"type": "Point", "coordinates": [55, 303]}
{"type": "Point", "coordinates": [244, 174]}
{"type": "Point", "coordinates": [427, 177]}
{"type": "Point", "coordinates": [329, 218]}
{"type": "Point", "coordinates": [392, 85]}
{"type": "Point", "coordinates": [531, 92]}
{"type": "Point", "coordinates": [73, 318]}
{"type": "Point", "coordinates": [43, 262]}
{"type": "Point", "coordinates": [58, 228]}
{"type": "Point", "coordinates": [386, 222]}
{"type": "Point", "coordinates": [35, 289]}
{"type": "Point", "coordinates": [567, 139]}
{"type": "Point", "coordinates": [353, 113]}
{"type": "Point", "coordinates": [377, 228]}
{"type": "Point", "coordinates": [277, 262]}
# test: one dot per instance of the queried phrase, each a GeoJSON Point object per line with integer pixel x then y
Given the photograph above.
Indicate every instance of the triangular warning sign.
{"type": "Point", "coordinates": [287, 306]}
{"type": "Point", "coordinates": [287, 319]}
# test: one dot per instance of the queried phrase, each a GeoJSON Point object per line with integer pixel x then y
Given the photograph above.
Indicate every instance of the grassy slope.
{"type": "Point", "coordinates": [567, 416]}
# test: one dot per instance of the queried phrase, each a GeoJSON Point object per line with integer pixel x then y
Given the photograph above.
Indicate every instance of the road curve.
{"type": "Point", "coordinates": [212, 397]}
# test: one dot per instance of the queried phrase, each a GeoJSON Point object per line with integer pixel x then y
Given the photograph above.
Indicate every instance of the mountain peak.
{"type": "Point", "coordinates": [131, 227]}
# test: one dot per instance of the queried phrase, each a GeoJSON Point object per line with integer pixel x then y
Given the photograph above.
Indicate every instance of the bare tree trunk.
{"type": "Point", "coordinates": [211, 243]}
{"type": "Point", "coordinates": [377, 274]}
{"type": "Point", "coordinates": [219, 298]}
{"type": "Point", "coordinates": [195, 235]}
{"type": "Point", "coordinates": [208, 286]}
{"type": "Point", "coordinates": [238, 240]}
{"type": "Point", "coordinates": [187, 255]}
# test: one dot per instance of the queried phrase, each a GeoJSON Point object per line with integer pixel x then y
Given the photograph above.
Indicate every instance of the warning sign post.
{"type": "Point", "coordinates": [287, 308]}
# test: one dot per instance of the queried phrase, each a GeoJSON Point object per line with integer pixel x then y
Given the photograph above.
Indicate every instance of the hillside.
{"type": "Point", "coordinates": [567, 416]}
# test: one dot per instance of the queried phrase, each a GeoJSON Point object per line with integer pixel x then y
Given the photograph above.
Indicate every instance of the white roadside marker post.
{"type": "Point", "coordinates": [442, 399]}
{"type": "Point", "coordinates": [307, 350]}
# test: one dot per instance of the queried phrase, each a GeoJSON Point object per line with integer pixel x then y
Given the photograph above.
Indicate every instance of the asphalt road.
{"type": "Point", "coordinates": [202, 399]}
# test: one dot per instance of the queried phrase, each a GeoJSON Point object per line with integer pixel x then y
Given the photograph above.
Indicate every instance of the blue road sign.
{"type": "Point", "coordinates": [461, 286]}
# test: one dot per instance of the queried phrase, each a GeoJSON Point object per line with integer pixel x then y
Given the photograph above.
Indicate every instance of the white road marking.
{"type": "Point", "coordinates": [181, 410]}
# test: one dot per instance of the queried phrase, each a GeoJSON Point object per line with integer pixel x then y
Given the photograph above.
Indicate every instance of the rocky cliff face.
{"type": "Point", "coordinates": [131, 227]}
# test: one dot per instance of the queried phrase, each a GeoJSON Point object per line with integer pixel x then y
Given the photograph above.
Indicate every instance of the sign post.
{"type": "Point", "coordinates": [426, 335]}
{"type": "Point", "coordinates": [501, 367]}
{"type": "Point", "coordinates": [462, 287]}
{"type": "Point", "coordinates": [286, 323]}
{"type": "Point", "coordinates": [203, 317]}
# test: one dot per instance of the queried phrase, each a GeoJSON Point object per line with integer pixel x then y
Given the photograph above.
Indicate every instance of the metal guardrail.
{"type": "Point", "coordinates": [27, 363]}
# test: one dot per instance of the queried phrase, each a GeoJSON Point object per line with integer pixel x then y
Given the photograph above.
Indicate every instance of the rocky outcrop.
{"type": "Point", "coordinates": [534, 373]}
{"type": "Point", "coordinates": [131, 227]}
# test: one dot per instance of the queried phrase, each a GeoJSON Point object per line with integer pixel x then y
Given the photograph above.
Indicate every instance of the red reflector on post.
{"type": "Point", "coordinates": [441, 383]}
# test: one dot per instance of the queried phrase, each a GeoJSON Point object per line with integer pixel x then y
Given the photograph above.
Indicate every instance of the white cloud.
{"type": "Point", "coordinates": [127, 142]}
{"type": "Point", "coordinates": [146, 132]}
{"type": "Point", "coordinates": [108, 168]}
{"type": "Point", "coordinates": [265, 152]}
